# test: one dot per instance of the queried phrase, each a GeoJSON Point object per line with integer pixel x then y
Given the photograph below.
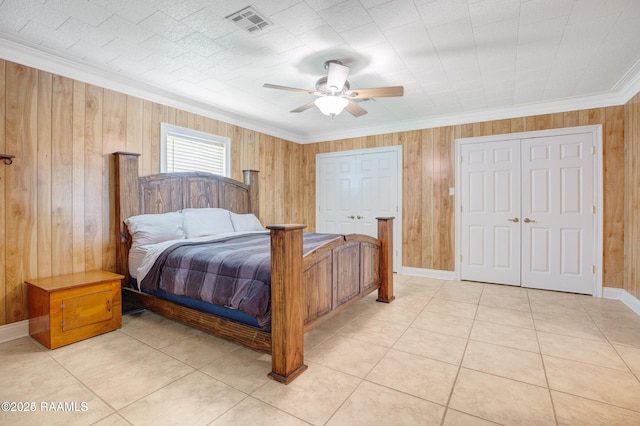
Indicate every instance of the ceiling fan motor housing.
{"type": "Point", "coordinates": [321, 87]}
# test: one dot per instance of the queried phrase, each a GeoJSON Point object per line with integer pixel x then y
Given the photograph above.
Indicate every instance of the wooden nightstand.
{"type": "Point", "coordinates": [69, 308]}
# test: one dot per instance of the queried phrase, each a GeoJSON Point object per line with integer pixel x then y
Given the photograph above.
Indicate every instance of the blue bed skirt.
{"type": "Point", "coordinates": [199, 305]}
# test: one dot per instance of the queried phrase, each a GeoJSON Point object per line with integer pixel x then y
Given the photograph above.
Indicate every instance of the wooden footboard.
{"type": "Point", "coordinates": [306, 291]}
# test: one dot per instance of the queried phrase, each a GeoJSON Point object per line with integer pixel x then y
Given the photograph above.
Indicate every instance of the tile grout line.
{"type": "Point", "coordinates": [544, 367]}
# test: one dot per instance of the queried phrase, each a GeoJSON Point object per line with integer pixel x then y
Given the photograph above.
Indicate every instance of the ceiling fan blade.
{"type": "Point", "coordinates": [376, 92]}
{"type": "Point", "coordinates": [355, 109]}
{"type": "Point", "coordinates": [292, 89]}
{"type": "Point", "coordinates": [337, 76]}
{"type": "Point", "coordinates": [304, 107]}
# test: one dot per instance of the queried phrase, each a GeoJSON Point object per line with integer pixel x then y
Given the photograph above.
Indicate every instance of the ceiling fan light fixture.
{"type": "Point", "coordinates": [331, 105]}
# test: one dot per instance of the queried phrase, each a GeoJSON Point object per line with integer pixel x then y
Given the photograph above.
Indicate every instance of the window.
{"type": "Point", "coordinates": [187, 150]}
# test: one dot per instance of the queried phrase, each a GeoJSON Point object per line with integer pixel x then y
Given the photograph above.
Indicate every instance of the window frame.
{"type": "Point", "coordinates": [167, 129]}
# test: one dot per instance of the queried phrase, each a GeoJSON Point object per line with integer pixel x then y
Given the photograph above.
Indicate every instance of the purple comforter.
{"type": "Point", "coordinates": [235, 272]}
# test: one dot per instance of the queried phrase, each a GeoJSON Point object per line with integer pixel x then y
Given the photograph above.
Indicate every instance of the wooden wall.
{"type": "Point", "coordinates": [56, 199]}
{"type": "Point", "coordinates": [428, 173]}
{"type": "Point", "coordinates": [632, 197]}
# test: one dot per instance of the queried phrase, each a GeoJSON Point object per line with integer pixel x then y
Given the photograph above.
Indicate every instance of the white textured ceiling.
{"type": "Point", "coordinates": [458, 60]}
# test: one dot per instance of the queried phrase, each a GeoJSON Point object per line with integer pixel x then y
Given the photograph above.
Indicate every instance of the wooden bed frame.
{"type": "Point", "coordinates": [334, 275]}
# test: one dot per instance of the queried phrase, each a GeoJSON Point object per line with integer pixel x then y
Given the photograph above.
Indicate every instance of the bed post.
{"type": "Point", "coordinates": [127, 204]}
{"type": "Point", "coordinates": [250, 177]}
{"type": "Point", "coordinates": [385, 235]}
{"type": "Point", "coordinates": [287, 307]}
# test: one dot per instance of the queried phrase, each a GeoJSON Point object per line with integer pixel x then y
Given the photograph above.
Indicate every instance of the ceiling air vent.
{"type": "Point", "coordinates": [249, 19]}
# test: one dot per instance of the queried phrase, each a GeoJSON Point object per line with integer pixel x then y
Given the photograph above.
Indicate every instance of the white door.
{"type": "Point", "coordinates": [491, 212]}
{"type": "Point", "coordinates": [335, 187]}
{"type": "Point", "coordinates": [527, 212]}
{"type": "Point", "coordinates": [353, 188]}
{"type": "Point", "coordinates": [558, 213]}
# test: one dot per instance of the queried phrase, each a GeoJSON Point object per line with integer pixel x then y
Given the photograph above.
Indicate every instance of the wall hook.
{"type": "Point", "coordinates": [7, 158]}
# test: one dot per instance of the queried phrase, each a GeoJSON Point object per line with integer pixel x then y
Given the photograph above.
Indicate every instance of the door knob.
{"type": "Point", "coordinates": [527, 220]}
{"type": "Point", "coordinates": [359, 217]}
{"type": "Point", "coordinates": [351, 217]}
{"type": "Point", "coordinates": [514, 220]}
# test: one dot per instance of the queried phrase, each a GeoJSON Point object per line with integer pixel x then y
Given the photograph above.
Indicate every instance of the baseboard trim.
{"type": "Point", "coordinates": [429, 273]}
{"type": "Point", "coordinates": [14, 331]}
{"type": "Point", "coordinates": [624, 296]}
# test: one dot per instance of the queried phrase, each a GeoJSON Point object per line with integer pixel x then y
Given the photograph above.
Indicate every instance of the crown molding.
{"type": "Point", "coordinates": [40, 58]}
{"type": "Point", "coordinates": [572, 104]}
{"type": "Point", "coordinates": [629, 85]}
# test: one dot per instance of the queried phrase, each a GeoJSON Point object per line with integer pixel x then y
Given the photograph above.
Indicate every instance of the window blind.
{"type": "Point", "coordinates": [190, 154]}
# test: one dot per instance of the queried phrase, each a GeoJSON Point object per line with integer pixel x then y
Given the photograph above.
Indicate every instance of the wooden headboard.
{"type": "Point", "coordinates": [170, 192]}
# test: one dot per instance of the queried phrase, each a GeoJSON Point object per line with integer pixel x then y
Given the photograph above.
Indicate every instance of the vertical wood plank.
{"type": "Point", "coordinates": [543, 122]}
{"type": "Point", "coordinates": [446, 221]}
{"type": "Point", "coordinates": [62, 176]}
{"type": "Point", "coordinates": [518, 125]}
{"type": "Point", "coordinates": [45, 91]}
{"type": "Point", "coordinates": [79, 257]}
{"type": "Point", "coordinates": [21, 179]}
{"type": "Point", "coordinates": [634, 287]}
{"type": "Point", "coordinates": [500, 127]}
{"type": "Point", "coordinates": [147, 139]}
{"type": "Point", "coordinates": [570, 118]}
{"type": "Point", "coordinates": [159, 114]}
{"type": "Point", "coordinates": [632, 198]}
{"type": "Point", "coordinates": [557, 120]}
{"type": "Point", "coordinates": [428, 210]}
{"type": "Point", "coordinates": [613, 162]}
{"type": "Point", "coordinates": [93, 172]}
{"type": "Point", "coordinates": [135, 123]}
{"type": "Point", "coordinates": [412, 172]}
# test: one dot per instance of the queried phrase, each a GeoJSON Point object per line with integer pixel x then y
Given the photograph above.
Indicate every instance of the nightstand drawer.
{"type": "Point", "coordinates": [85, 310]}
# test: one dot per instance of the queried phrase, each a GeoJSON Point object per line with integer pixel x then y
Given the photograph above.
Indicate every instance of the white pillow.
{"type": "Point", "coordinates": [155, 228]}
{"type": "Point", "coordinates": [246, 222]}
{"type": "Point", "coordinates": [203, 222]}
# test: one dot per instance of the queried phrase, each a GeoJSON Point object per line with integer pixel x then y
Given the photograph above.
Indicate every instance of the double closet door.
{"type": "Point", "coordinates": [528, 212]}
{"type": "Point", "coordinates": [355, 187]}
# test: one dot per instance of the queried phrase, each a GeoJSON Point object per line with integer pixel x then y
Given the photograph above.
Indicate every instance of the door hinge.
{"type": "Point", "coordinates": [62, 324]}
{"type": "Point", "coordinates": [593, 149]}
{"type": "Point", "coordinates": [594, 209]}
{"type": "Point", "coordinates": [460, 258]}
{"type": "Point", "coordinates": [593, 268]}
{"type": "Point", "coordinates": [62, 306]}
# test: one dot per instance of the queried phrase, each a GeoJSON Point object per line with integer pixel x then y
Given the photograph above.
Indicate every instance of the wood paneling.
{"type": "Point", "coordinates": [428, 173]}
{"type": "Point", "coordinates": [632, 196]}
{"type": "Point", "coordinates": [56, 199]}
{"type": "Point", "coordinates": [3, 199]}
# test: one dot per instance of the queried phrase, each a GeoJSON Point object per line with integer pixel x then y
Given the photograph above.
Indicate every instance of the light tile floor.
{"type": "Point", "coordinates": [443, 353]}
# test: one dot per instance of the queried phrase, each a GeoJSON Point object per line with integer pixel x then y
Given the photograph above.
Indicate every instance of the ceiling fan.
{"type": "Point", "coordinates": [335, 94]}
